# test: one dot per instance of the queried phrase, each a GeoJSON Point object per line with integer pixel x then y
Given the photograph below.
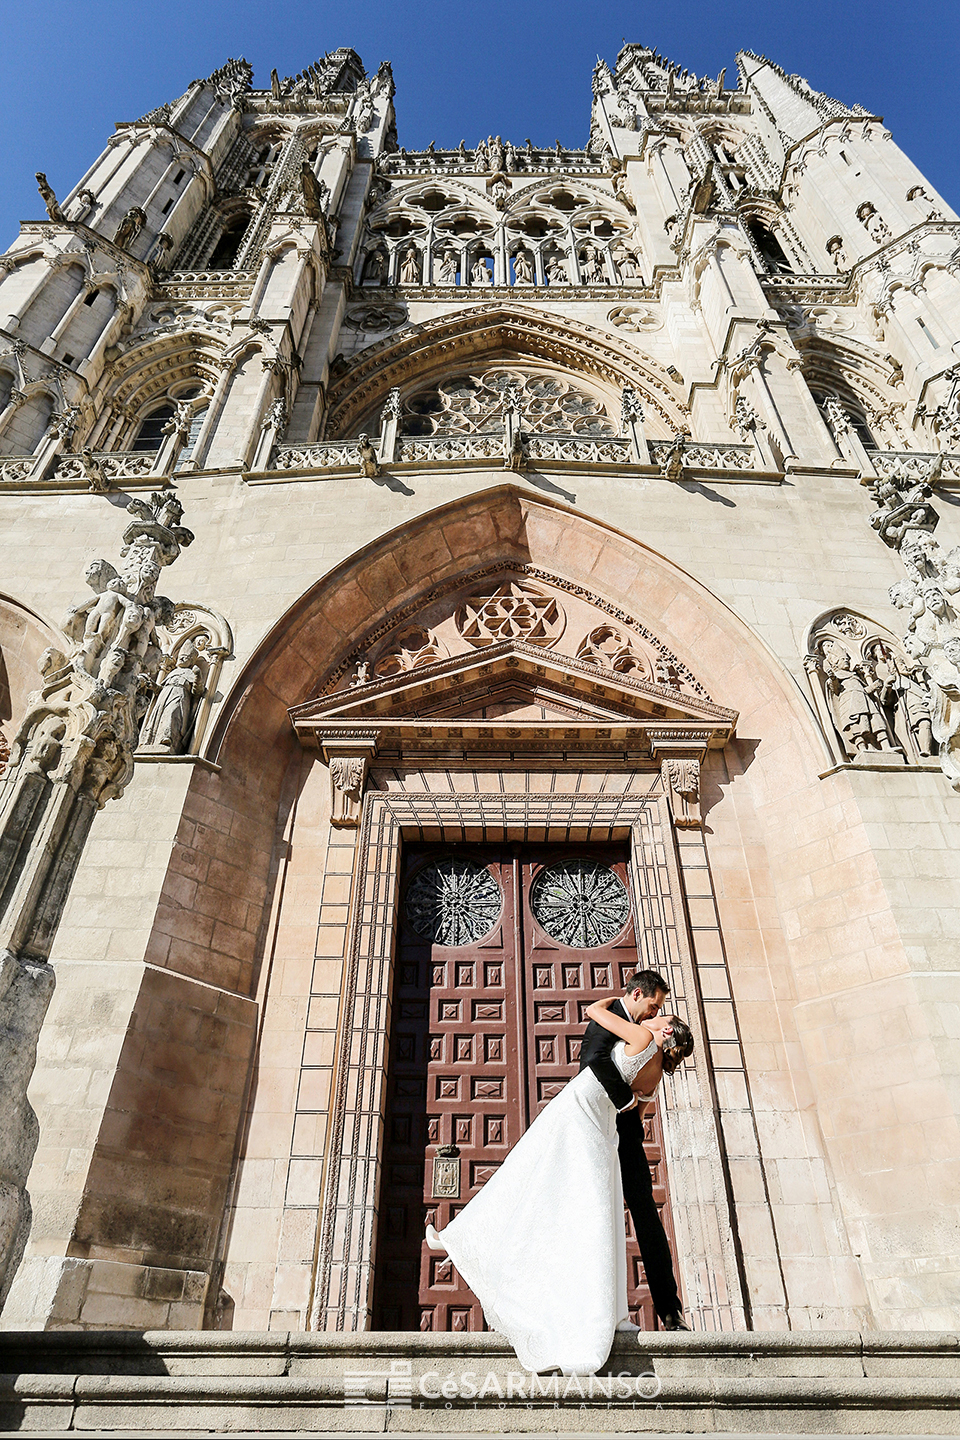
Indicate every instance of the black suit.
{"type": "Point", "coordinates": [637, 1185]}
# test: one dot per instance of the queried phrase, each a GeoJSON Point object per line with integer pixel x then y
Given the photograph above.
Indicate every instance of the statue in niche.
{"type": "Point", "coordinates": [905, 684]}
{"type": "Point", "coordinates": [522, 269]}
{"type": "Point", "coordinates": [627, 264]}
{"type": "Point", "coordinates": [591, 267]}
{"type": "Point", "coordinates": [856, 698]}
{"type": "Point", "coordinates": [410, 267]}
{"type": "Point", "coordinates": [495, 154]}
{"type": "Point", "coordinates": [479, 274]}
{"type": "Point", "coordinates": [130, 227]}
{"type": "Point", "coordinates": [49, 199]}
{"type": "Point", "coordinates": [375, 267]}
{"type": "Point", "coordinates": [447, 274]}
{"type": "Point", "coordinates": [556, 271]}
{"type": "Point", "coordinates": [168, 726]}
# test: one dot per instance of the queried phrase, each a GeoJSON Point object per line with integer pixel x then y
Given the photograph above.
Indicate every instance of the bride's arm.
{"type": "Point", "coordinates": [625, 1029]}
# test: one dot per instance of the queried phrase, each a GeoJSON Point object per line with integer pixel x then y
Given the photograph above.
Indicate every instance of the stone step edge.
{"type": "Point", "coordinates": [412, 1344]}
{"type": "Point", "coordinates": [822, 1392]}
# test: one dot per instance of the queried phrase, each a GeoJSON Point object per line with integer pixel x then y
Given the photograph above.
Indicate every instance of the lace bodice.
{"type": "Point", "coordinates": [631, 1065]}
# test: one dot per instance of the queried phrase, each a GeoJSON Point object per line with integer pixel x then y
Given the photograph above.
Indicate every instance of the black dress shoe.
{"type": "Point", "coordinates": [674, 1322]}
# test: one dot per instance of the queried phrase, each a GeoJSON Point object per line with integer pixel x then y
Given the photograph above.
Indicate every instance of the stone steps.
{"type": "Point", "coordinates": [165, 1382]}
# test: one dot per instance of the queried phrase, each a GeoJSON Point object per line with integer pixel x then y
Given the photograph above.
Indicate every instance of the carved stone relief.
{"type": "Point", "coordinates": [349, 760]}
{"type": "Point", "coordinates": [413, 647]}
{"type": "Point", "coordinates": [511, 612]}
{"type": "Point", "coordinates": [609, 649]}
{"type": "Point", "coordinates": [870, 692]}
{"type": "Point", "coordinates": [515, 602]}
{"type": "Point", "coordinates": [681, 781]}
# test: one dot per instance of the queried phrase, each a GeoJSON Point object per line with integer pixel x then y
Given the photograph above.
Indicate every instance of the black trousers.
{"type": "Point", "coordinates": [647, 1225]}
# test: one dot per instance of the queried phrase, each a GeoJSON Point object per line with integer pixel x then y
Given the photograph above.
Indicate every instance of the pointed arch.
{"type": "Point", "coordinates": [498, 331]}
{"type": "Point", "coordinates": [306, 651]}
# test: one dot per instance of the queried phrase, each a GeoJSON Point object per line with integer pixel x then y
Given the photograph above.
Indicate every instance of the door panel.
{"type": "Point", "coordinates": [499, 953]}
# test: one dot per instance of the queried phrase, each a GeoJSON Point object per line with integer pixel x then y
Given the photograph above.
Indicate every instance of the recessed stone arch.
{"type": "Point", "coordinates": [24, 636]}
{"type": "Point", "coordinates": [497, 332]}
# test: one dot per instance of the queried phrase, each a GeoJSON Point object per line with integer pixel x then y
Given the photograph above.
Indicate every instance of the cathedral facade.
{"type": "Point", "coordinates": [570, 587]}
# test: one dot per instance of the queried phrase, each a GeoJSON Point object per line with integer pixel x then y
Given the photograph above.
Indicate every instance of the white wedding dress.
{"type": "Point", "coordinates": [543, 1245]}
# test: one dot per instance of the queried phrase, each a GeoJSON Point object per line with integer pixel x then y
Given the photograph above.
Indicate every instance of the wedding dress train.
{"type": "Point", "coordinates": [543, 1245]}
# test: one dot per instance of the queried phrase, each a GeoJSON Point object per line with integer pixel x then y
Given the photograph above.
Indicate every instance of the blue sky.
{"type": "Point", "coordinates": [69, 70]}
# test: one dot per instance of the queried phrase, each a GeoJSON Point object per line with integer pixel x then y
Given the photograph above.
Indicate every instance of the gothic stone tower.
{"type": "Point", "coordinates": [560, 518]}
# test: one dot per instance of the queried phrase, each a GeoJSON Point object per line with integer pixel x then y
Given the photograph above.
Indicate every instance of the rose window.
{"type": "Point", "coordinates": [474, 404]}
{"type": "Point", "coordinates": [453, 902]}
{"type": "Point", "coordinates": [581, 903]}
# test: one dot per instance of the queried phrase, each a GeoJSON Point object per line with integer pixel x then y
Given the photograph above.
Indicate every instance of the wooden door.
{"type": "Point", "coordinates": [500, 951]}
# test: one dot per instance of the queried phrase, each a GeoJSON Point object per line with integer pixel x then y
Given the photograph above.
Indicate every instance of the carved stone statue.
{"type": "Point", "coordinates": [522, 269]}
{"type": "Point", "coordinates": [49, 199]}
{"type": "Point", "coordinates": [907, 690]}
{"type": "Point", "coordinates": [447, 273]}
{"type": "Point", "coordinates": [627, 264]}
{"type": "Point", "coordinates": [837, 253]}
{"type": "Point", "coordinates": [591, 267]}
{"type": "Point", "coordinates": [130, 227]}
{"type": "Point", "coordinates": [168, 725]}
{"type": "Point", "coordinates": [499, 191]}
{"type": "Point", "coordinates": [621, 189]}
{"type": "Point", "coordinates": [369, 465]}
{"type": "Point", "coordinates": [874, 223]}
{"type": "Point", "coordinates": [556, 271]}
{"type": "Point", "coordinates": [410, 267]}
{"type": "Point", "coordinates": [375, 267]}
{"type": "Point", "coordinates": [854, 695]}
{"type": "Point", "coordinates": [479, 274]}
{"type": "Point", "coordinates": [315, 192]}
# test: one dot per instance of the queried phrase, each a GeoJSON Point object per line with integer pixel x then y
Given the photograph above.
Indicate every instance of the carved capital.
{"type": "Point", "coordinates": [348, 757]}
{"type": "Point", "coordinates": [681, 755]}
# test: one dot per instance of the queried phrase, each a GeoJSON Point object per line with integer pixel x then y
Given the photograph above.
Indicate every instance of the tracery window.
{"type": "Point", "coordinates": [771, 251]}
{"type": "Point", "coordinates": [150, 436]}
{"type": "Point", "coordinates": [473, 403]}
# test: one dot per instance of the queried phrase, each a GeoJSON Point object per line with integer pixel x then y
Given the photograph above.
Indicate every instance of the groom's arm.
{"type": "Point", "coordinates": [618, 1092]}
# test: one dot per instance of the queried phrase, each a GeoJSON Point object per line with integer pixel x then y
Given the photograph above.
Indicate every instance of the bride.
{"type": "Point", "coordinates": [543, 1245]}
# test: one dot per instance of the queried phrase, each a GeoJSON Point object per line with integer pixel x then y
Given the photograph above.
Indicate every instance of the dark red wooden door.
{"type": "Point", "coordinates": [500, 951]}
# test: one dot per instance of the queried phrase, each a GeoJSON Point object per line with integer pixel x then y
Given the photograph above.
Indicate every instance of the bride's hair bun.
{"type": "Point", "coordinates": [680, 1044]}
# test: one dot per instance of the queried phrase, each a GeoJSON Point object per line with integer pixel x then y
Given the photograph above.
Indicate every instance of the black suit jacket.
{"type": "Point", "coordinates": [595, 1053]}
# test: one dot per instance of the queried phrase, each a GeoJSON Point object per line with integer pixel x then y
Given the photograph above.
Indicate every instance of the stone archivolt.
{"type": "Point", "coordinates": [493, 330]}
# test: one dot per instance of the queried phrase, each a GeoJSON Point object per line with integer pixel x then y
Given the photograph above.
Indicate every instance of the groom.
{"type": "Point", "coordinates": [644, 994]}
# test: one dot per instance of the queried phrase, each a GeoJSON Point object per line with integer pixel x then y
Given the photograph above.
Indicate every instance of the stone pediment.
{"type": "Point", "coordinates": [517, 696]}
